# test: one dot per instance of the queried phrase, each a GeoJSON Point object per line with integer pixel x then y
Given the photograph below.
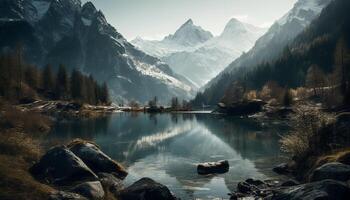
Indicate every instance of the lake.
{"type": "Point", "coordinates": [167, 148]}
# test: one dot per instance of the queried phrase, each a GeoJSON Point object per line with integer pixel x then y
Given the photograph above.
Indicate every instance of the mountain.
{"type": "Point", "coordinates": [79, 36]}
{"type": "Point", "coordinates": [267, 48]}
{"type": "Point", "coordinates": [187, 38]}
{"type": "Point", "coordinates": [189, 35]}
{"type": "Point", "coordinates": [202, 60]}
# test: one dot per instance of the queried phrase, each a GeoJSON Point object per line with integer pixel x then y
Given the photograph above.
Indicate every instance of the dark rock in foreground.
{"type": "Point", "coordinates": [146, 189]}
{"type": "Point", "coordinates": [282, 168]}
{"type": "Point", "coordinates": [111, 183]}
{"type": "Point", "coordinates": [61, 167]}
{"type": "Point", "coordinates": [326, 189]}
{"type": "Point", "coordinates": [66, 196]}
{"type": "Point", "coordinates": [96, 160]}
{"type": "Point", "coordinates": [91, 190]}
{"type": "Point", "coordinates": [334, 170]}
{"type": "Point", "coordinates": [213, 167]}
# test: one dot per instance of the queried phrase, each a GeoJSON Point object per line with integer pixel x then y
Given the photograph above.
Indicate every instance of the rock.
{"type": "Point", "coordinates": [251, 186]}
{"type": "Point", "coordinates": [254, 182]}
{"type": "Point", "coordinates": [213, 167]}
{"type": "Point", "coordinates": [289, 183]}
{"type": "Point", "coordinates": [97, 160]}
{"type": "Point", "coordinates": [66, 196]}
{"type": "Point", "coordinates": [110, 182]}
{"type": "Point", "coordinates": [326, 189]}
{"type": "Point", "coordinates": [146, 189]}
{"type": "Point", "coordinates": [241, 108]}
{"type": "Point", "coordinates": [61, 167]}
{"type": "Point", "coordinates": [244, 187]}
{"type": "Point", "coordinates": [281, 169]}
{"type": "Point", "coordinates": [334, 170]}
{"type": "Point", "coordinates": [90, 190]}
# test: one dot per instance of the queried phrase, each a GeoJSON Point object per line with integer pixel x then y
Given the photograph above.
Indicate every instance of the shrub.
{"type": "Point", "coordinates": [307, 123]}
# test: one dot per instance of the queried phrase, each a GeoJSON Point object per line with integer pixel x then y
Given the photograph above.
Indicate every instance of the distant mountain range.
{"type": "Point", "coordinates": [267, 48]}
{"type": "Point", "coordinates": [79, 36]}
{"type": "Point", "coordinates": [196, 54]}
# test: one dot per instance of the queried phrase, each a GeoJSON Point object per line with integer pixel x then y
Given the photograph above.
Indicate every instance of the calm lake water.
{"type": "Point", "coordinates": [167, 147]}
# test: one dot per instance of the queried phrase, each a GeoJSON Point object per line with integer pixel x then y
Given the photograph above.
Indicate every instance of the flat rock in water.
{"type": "Point", "coordinates": [61, 167]}
{"type": "Point", "coordinates": [91, 190]}
{"type": "Point", "coordinates": [334, 170]}
{"type": "Point", "coordinates": [326, 189]}
{"type": "Point", "coordinates": [213, 167]}
{"type": "Point", "coordinates": [146, 189]}
{"type": "Point", "coordinates": [96, 160]}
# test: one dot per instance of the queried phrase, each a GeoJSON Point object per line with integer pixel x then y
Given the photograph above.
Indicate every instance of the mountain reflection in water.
{"type": "Point", "coordinates": [167, 147]}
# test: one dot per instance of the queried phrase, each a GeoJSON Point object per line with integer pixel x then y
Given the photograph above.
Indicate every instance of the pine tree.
{"type": "Point", "coordinates": [32, 77]}
{"type": "Point", "coordinates": [77, 88]}
{"type": "Point", "coordinates": [48, 80]}
{"type": "Point", "coordinates": [104, 93]}
{"type": "Point", "coordinates": [62, 83]}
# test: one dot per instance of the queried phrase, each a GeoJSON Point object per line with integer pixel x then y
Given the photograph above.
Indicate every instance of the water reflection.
{"type": "Point", "coordinates": [167, 148]}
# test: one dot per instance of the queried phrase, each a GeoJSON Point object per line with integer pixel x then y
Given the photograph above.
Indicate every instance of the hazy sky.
{"type": "Point", "coordinates": [153, 19]}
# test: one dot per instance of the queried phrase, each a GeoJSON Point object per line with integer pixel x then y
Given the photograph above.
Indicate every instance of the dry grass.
{"type": "Point", "coordinates": [19, 148]}
{"type": "Point", "coordinates": [16, 183]}
{"type": "Point", "coordinates": [341, 155]}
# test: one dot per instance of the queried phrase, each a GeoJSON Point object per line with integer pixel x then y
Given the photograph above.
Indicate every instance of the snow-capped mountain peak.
{"type": "Point", "coordinates": [201, 58]}
{"type": "Point", "coordinates": [189, 35]}
{"type": "Point", "coordinates": [303, 11]}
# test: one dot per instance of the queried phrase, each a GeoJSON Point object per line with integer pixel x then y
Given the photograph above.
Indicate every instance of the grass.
{"type": "Point", "coordinates": [20, 134]}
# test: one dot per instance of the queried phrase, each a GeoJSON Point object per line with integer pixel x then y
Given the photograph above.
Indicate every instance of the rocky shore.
{"type": "Point", "coordinates": [80, 171]}
{"type": "Point", "coordinates": [67, 110]}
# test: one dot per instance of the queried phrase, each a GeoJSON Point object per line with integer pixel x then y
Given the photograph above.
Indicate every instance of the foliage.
{"type": "Point", "coordinates": [307, 123]}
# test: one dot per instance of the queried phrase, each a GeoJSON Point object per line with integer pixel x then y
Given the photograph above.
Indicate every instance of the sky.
{"type": "Point", "coordinates": [154, 19]}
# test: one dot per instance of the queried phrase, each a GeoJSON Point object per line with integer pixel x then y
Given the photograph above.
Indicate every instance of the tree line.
{"type": "Point", "coordinates": [23, 82]}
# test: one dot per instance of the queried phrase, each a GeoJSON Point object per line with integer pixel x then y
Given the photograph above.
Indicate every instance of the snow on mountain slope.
{"type": "Point", "coordinates": [65, 32]}
{"type": "Point", "coordinates": [202, 60]}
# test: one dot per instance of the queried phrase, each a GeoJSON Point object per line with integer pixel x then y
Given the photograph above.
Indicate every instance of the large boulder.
{"type": "Point", "coordinates": [111, 183]}
{"type": "Point", "coordinates": [91, 190]}
{"type": "Point", "coordinates": [213, 167]}
{"type": "Point", "coordinates": [326, 189]}
{"type": "Point", "coordinates": [97, 160]}
{"type": "Point", "coordinates": [146, 189]}
{"type": "Point", "coordinates": [60, 166]}
{"type": "Point", "coordinates": [334, 170]}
